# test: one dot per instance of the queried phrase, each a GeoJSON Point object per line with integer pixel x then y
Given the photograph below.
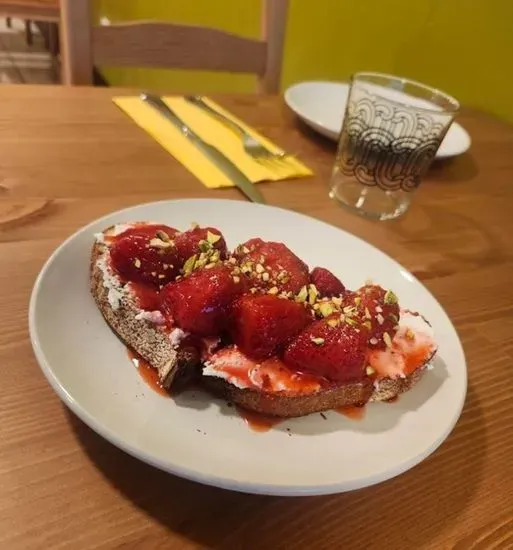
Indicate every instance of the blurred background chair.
{"type": "Point", "coordinates": [46, 12]}
{"type": "Point", "coordinates": [167, 45]}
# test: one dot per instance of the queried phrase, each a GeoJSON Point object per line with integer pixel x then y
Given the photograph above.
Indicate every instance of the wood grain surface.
{"type": "Point", "coordinates": [68, 156]}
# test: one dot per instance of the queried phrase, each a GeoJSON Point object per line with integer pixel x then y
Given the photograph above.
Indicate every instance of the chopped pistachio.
{"type": "Point", "coordinates": [313, 293]}
{"type": "Point", "coordinates": [410, 334]}
{"type": "Point", "coordinates": [204, 246]}
{"type": "Point", "coordinates": [367, 313]}
{"type": "Point", "coordinates": [337, 301]}
{"type": "Point", "coordinates": [137, 263]}
{"type": "Point", "coordinates": [387, 339]}
{"type": "Point", "coordinates": [253, 290]}
{"type": "Point", "coordinates": [342, 318]}
{"type": "Point", "coordinates": [163, 236]}
{"type": "Point", "coordinates": [265, 276]}
{"type": "Point", "coordinates": [159, 243]}
{"type": "Point", "coordinates": [236, 279]}
{"type": "Point", "coordinates": [367, 324]}
{"type": "Point", "coordinates": [369, 370]}
{"type": "Point", "coordinates": [333, 322]}
{"type": "Point", "coordinates": [349, 310]}
{"type": "Point", "coordinates": [351, 322]}
{"type": "Point", "coordinates": [302, 295]}
{"type": "Point", "coordinates": [357, 300]}
{"type": "Point", "coordinates": [317, 341]}
{"type": "Point", "coordinates": [259, 268]}
{"type": "Point", "coordinates": [212, 238]}
{"type": "Point", "coordinates": [273, 290]}
{"type": "Point", "coordinates": [232, 260]}
{"type": "Point", "coordinates": [188, 266]}
{"type": "Point", "coordinates": [390, 298]}
{"type": "Point", "coordinates": [326, 309]}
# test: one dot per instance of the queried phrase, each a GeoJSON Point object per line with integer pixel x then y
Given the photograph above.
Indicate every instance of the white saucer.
{"type": "Point", "coordinates": [201, 438]}
{"type": "Point", "coordinates": [321, 105]}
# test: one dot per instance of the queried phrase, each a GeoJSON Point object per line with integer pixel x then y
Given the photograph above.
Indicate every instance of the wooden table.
{"type": "Point", "coordinates": [68, 156]}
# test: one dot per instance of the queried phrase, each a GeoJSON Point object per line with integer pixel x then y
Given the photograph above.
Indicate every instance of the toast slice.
{"type": "Point", "coordinates": [269, 388]}
{"type": "Point", "coordinates": [142, 331]}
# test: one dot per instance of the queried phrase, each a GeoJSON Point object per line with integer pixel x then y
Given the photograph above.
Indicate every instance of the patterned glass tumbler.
{"type": "Point", "coordinates": [390, 135]}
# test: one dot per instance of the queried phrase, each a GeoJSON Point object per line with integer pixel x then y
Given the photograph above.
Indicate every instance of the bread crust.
{"type": "Point", "coordinates": [287, 406]}
{"type": "Point", "coordinates": [147, 339]}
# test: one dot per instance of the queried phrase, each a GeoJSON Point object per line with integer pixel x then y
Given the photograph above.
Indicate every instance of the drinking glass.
{"type": "Point", "coordinates": [391, 132]}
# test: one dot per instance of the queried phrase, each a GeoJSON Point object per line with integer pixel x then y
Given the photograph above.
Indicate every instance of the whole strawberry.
{"type": "Point", "coordinates": [327, 284]}
{"type": "Point", "coordinates": [201, 303]}
{"type": "Point", "coordinates": [272, 266]}
{"type": "Point", "coordinates": [263, 324]}
{"type": "Point", "coordinates": [145, 257]}
{"type": "Point", "coordinates": [377, 309]}
{"type": "Point", "coordinates": [331, 348]}
{"type": "Point", "coordinates": [199, 240]}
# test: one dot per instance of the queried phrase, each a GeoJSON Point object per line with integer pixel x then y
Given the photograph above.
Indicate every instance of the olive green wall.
{"type": "Point", "coordinates": [462, 46]}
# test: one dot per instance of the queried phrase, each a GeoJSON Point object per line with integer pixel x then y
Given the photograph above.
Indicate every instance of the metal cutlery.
{"type": "Point", "coordinates": [218, 158]}
{"type": "Point", "coordinates": [252, 146]}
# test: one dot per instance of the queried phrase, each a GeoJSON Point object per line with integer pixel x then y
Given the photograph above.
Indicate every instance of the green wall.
{"type": "Point", "coordinates": [462, 46]}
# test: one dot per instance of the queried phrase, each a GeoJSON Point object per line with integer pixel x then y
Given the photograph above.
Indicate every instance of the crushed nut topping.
{"type": "Point", "coordinates": [137, 263]}
{"type": "Point", "coordinates": [390, 298]}
{"type": "Point", "coordinates": [387, 339]}
{"type": "Point", "coordinates": [159, 243]}
{"type": "Point", "coordinates": [212, 238]}
{"type": "Point", "coordinates": [317, 341]}
{"type": "Point", "coordinates": [274, 290]}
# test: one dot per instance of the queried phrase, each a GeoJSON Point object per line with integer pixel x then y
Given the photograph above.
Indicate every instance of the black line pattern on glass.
{"type": "Point", "coordinates": [388, 146]}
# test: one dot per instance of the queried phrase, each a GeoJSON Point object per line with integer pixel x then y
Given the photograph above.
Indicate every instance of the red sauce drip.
{"type": "Point", "coordinates": [147, 373]}
{"type": "Point", "coordinates": [258, 422]}
{"type": "Point", "coordinates": [355, 413]}
{"type": "Point", "coordinates": [147, 297]}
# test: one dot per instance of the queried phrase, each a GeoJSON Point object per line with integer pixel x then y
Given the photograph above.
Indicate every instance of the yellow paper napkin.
{"type": "Point", "coordinates": [212, 131]}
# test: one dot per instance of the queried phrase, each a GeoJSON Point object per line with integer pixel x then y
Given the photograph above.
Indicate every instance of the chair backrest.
{"type": "Point", "coordinates": [166, 45]}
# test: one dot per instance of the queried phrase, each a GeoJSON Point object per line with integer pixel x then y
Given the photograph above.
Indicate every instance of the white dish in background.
{"type": "Point", "coordinates": [321, 106]}
{"type": "Point", "coordinates": [201, 438]}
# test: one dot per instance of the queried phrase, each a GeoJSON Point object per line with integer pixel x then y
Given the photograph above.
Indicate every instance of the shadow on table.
{"type": "Point", "coordinates": [408, 511]}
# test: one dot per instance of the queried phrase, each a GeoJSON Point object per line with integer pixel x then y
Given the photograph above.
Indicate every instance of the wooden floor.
{"type": "Point", "coordinates": [21, 63]}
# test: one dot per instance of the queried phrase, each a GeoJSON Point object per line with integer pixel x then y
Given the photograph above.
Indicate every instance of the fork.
{"type": "Point", "coordinates": [252, 146]}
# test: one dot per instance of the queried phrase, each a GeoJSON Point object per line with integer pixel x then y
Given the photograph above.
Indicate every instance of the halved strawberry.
{"type": "Point", "coordinates": [142, 258]}
{"type": "Point", "coordinates": [201, 303]}
{"type": "Point", "coordinates": [263, 324]}
{"type": "Point", "coordinates": [271, 265]}
{"type": "Point", "coordinates": [377, 309]}
{"type": "Point", "coordinates": [198, 240]}
{"type": "Point", "coordinates": [326, 283]}
{"type": "Point", "coordinates": [330, 348]}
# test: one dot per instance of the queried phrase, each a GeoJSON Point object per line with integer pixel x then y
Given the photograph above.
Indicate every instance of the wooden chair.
{"type": "Point", "coordinates": [43, 11]}
{"type": "Point", "coordinates": [166, 45]}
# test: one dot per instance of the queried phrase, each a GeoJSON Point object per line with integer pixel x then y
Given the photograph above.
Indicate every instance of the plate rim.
{"type": "Point", "coordinates": [332, 134]}
{"type": "Point", "coordinates": [193, 475]}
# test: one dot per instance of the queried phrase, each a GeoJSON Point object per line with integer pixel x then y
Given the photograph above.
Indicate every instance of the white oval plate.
{"type": "Point", "coordinates": [321, 105]}
{"type": "Point", "coordinates": [200, 438]}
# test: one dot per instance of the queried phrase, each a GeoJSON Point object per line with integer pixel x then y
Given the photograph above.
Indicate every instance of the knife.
{"type": "Point", "coordinates": [223, 163]}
